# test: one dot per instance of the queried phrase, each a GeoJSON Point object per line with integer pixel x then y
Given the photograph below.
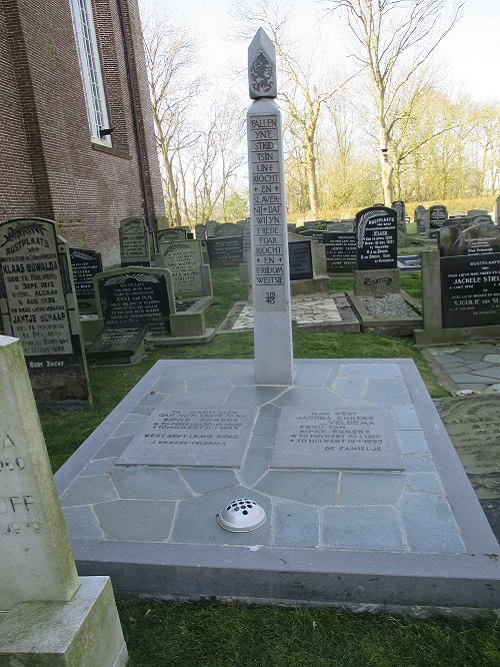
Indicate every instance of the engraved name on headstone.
{"type": "Point", "coordinates": [361, 439]}
{"type": "Point", "coordinates": [376, 234]}
{"type": "Point", "coordinates": [184, 259]}
{"type": "Point", "coordinates": [191, 437]}
{"type": "Point", "coordinates": [38, 305]}
{"type": "Point", "coordinates": [134, 242]}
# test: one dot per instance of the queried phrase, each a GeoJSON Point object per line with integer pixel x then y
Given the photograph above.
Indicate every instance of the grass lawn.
{"type": "Point", "coordinates": [208, 634]}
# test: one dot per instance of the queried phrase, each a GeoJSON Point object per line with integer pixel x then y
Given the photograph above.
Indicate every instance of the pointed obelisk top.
{"type": "Point", "coordinates": [262, 67]}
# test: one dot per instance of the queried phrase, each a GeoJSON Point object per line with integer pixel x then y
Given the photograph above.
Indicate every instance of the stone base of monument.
{"type": "Point", "coordinates": [366, 501]}
{"type": "Point", "coordinates": [392, 314]}
{"type": "Point", "coordinates": [85, 631]}
{"type": "Point", "coordinates": [314, 313]}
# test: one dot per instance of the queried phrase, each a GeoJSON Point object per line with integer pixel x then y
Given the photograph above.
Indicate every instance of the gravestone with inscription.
{"type": "Point", "coordinates": [341, 252]}
{"type": "Point", "coordinates": [225, 251]}
{"type": "Point", "coordinates": [191, 277]}
{"type": "Point", "coordinates": [438, 214]}
{"type": "Point", "coordinates": [136, 296]}
{"type": "Point", "coordinates": [171, 234]}
{"type": "Point", "coordinates": [134, 242]}
{"type": "Point", "coordinates": [48, 615]}
{"type": "Point", "coordinates": [421, 219]}
{"type": "Point", "coordinates": [270, 265]}
{"type": "Point", "coordinates": [38, 305]}
{"type": "Point", "coordinates": [85, 264]}
{"type": "Point", "coordinates": [227, 229]}
{"type": "Point", "coordinates": [461, 286]}
{"type": "Point", "coordinates": [200, 232]}
{"type": "Point", "coordinates": [399, 207]}
{"type": "Point", "coordinates": [376, 245]}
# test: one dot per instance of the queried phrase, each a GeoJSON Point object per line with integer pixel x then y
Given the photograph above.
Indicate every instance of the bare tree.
{"type": "Point", "coordinates": [302, 90]}
{"type": "Point", "coordinates": [175, 82]}
{"type": "Point", "coordinates": [393, 39]}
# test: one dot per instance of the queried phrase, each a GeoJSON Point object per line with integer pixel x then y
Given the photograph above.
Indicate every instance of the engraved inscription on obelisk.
{"type": "Point", "coordinates": [270, 270]}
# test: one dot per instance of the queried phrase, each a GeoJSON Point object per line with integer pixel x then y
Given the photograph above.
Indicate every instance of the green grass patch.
{"type": "Point", "coordinates": [208, 634]}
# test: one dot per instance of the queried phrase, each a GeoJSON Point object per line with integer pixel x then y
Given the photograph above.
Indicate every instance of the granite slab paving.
{"type": "Point", "coordinates": [474, 367]}
{"type": "Point", "coordinates": [313, 312]}
{"type": "Point", "coordinates": [402, 527]}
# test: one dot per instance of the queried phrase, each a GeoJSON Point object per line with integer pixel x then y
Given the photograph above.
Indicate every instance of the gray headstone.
{"type": "Point", "coordinates": [134, 242]}
{"type": "Point", "coordinates": [38, 305]}
{"type": "Point", "coordinates": [184, 259]}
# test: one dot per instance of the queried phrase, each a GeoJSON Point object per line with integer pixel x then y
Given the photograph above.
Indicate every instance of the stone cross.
{"type": "Point", "coordinates": [273, 348]}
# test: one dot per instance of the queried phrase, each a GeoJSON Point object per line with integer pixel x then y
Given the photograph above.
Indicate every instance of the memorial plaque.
{"type": "Point", "coordinates": [300, 258]}
{"type": "Point", "coordinates": [192, 437]}
{"type": "Point", "coordinates": [225, 252]}
{"type": "Point", "coordinates": [470, 290]}
{"type": "Point", "coordinates": [376, 238]}
{"type": "Point", "coordinates": [438, 214]}
{"type": "Point", "coordinates": [227, 229]}
{"type": "Point", "coordinates": [184, 259]}
{"type": "Point", "coordinates": [478, 239]}
{"type": "Point", "coordinates": [38, 305]}
{"type": "Point", "coordinates": [119, 344]}
{"type": "Point", "coordinates": [84, 265]}
{"type": "Point", "coordinates": [341, 253]}
{"type": "Point", "coordinates": [361, 439]}
{"type": "Point", "coordinates": [317, 234]}
{"type": "Point", "coordinates": [136, 296]}
{"type": "Point", "coordinates": [171, 234]}
{"type": "Point", "coordinates": [134, 242]}
{"type": "Point", "coordinates": [346, 225]}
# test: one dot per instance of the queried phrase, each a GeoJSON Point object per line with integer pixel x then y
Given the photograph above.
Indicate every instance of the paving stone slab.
{"type": "Point", "coordinates": [331, 535]}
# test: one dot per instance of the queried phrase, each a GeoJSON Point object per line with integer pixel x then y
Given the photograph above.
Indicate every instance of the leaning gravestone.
{"type": "Point", "coordinates": [38, 305]}
{"type": "Point", "coordinates": [270, 266]}
{"type": "Point", "coordinates": [48, 615]}
{"type": "Point", "coordinates": [85, 264]}
{"type": "Point", "coordinates": [134, 242]}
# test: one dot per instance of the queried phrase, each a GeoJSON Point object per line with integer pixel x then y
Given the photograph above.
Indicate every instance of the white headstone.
{"type": "Point", "coordinates": [270, 271]}
{"type": "Point", "coordinates": [37, 563]}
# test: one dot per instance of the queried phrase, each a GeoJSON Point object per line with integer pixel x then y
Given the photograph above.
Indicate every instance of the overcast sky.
{"type": "Point", "coordinates": [472, 49]}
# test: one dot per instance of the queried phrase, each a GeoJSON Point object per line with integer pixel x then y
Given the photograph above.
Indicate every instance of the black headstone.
{"type": "Point", "coordinates": [84, 265]}
{"type": "Point", "coordinates": [438, 213]}
{"type": "Point", "coordinates": [136, 296]}
{"type": "Point", "coordinates": [341, 252]}
{"type": "Point", "coordinates": [300, 260]}
{"type": "Point", "coordinates": [376, 238]}
{"type": "Point", "coordinates": [225, 251]}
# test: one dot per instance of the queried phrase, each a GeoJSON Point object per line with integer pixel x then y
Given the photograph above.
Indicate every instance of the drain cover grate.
{"type": "Point", "coordinates": [242, 516]}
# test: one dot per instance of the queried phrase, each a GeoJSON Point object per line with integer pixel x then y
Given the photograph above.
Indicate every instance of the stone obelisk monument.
{"type": "Point", "coordinates": [270, 271]}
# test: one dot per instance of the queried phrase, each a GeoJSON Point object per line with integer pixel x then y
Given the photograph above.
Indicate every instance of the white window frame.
{"type": "Point", "coordinates": [90, 69]}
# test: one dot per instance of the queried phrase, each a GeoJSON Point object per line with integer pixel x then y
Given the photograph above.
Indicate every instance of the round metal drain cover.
{"type": "Point", "coordinates": [242, 516]}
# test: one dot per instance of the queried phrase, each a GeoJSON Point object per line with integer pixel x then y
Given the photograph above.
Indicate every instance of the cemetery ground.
{"type": "Point", "coordinates": [209, 633]}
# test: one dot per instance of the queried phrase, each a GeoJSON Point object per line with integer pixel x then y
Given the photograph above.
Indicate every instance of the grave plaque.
{"type": "Point", "coordinates": [38, 305]}
{"type": "Point", "coordinates": [118, 344]}
{"type": "Point", "coordinates": [171, 234]}
{"type": "Point", "coordinates": [192, 437]}
{"type": "Point", "coordinates": [227, 229]}
{"type": "Point", "coordinates": [136, 296]}
{"type": "Point", "coordinates": [361, 439]}
{"type": "Point", "coordinates": [134, 242]}
{"type": "Point", "coordinates": [300, 259]}
{"type": "Point", "coordinates": [438, 213]}
{"type": "Point", "coordinates": [341, 253]}
{"type": "Point", "coordinates": [470, 290]}
{"type": "Point", "coordinates": [376, 238]}
{"type": "Point", "coordinates": [84, 265]}
{"type": "Point", "coordinates": [184, 259]}
{"type": "Point", "coordinates": [225, 252]}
